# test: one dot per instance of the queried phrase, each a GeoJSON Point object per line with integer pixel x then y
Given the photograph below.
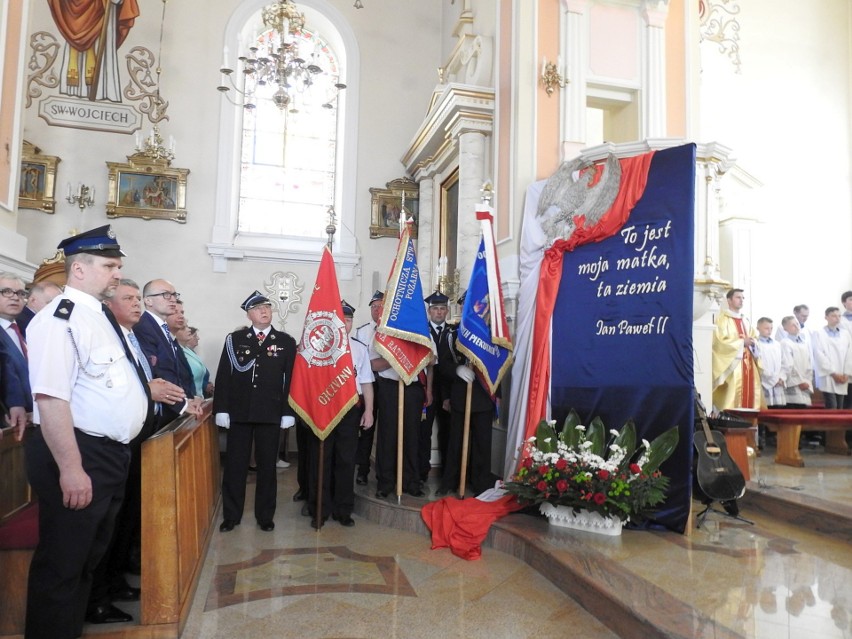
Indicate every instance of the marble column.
{"type": "Point", "coordinates": [427, 234]}
{"type": "Point", "coordinates": [655, 13]}
{"type": "Point", "coordinates": [472, 174]}
{"type": "Point", "coordinates": [574, 45]}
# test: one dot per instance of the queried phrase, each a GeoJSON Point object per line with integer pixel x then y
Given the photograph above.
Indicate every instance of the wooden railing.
{"type": "Point", "coordinates": [180, 494]}
{"type": "Point", "coordinates": [15, 496]}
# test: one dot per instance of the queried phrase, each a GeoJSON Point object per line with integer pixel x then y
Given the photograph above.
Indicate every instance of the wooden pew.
{"type": "Point", "coordinates": [18, 535]}
{"type": "Point", "coordinates": [180, 495]}
{"type": "Point", "coordinates": [789, 424]}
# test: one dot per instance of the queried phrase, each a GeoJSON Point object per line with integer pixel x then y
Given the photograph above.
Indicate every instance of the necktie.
{"type": "Point", "coordinates": [139, 371]}
{"type": "Point", "coordinates": [21, 341]}
{"type": "Point", "coordinates": [260, 336]}
{"type": "Point", "coordinates": [140, 357]}
{"type": "Point", "coordinates": [143, 362]}
{"type": "Point", "coordinates": [169, 336]}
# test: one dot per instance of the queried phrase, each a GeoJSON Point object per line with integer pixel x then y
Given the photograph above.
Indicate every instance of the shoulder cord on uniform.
{"type": "Point", "coordinates": [229, 346]}
{"type": "Point", "coordinates": [80, 363]}
{"type": "Point", "coordinates": [451, 338]}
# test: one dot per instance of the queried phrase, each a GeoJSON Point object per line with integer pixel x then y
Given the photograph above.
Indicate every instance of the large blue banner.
{"type": "Point", "coordinates": [622, 325]}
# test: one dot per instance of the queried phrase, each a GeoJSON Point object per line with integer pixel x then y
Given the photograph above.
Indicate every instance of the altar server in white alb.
{"type": "Point", "coordinates": [774, 365]}
{"type": "Point", "coordinates": [799, 388]}
{"type": "Point", "coordinates": [832, 359]}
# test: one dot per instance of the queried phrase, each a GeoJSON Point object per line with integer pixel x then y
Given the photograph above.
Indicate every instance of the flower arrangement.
{"type": "Point", "coordinates": [577, 468]}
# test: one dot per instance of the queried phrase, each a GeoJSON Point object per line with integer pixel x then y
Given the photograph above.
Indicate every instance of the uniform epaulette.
{"type": "Point", "coordinates": [64, 309]}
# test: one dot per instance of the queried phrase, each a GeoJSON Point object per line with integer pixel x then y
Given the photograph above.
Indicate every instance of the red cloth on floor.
{"type": "Point", "coordinates": [462, 524]}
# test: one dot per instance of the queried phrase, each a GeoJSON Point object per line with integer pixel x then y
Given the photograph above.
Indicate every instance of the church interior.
{"type": "Point", "coordinates": [222, 178]}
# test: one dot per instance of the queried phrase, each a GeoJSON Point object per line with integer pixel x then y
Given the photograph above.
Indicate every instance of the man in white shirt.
{"type": "Point", "coordinates": [91, 401]}
{"type": "Point", "coordinates": [799, 386]}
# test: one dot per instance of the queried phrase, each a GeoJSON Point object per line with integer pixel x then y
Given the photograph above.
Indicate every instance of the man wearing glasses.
{"type": "Point", "coordinates": [15, 383]}
{"type": "Point", "coordinates": [159, 346]}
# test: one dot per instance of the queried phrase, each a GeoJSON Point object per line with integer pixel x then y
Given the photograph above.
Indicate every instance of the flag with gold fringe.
{"type": "Point", "coordinates": [483, 335]}
{"type": "Point", "coordinates": [402, 336]}
{"type": "Point", "coordinates": [323, 387]}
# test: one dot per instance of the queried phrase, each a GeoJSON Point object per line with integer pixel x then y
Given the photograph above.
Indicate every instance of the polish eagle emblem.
{"type": "Point", "coordinates": [578, 188]}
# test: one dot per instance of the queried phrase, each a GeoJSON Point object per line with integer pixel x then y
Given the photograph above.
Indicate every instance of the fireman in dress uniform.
{"type": "Point", "coordinates": [250, 400]}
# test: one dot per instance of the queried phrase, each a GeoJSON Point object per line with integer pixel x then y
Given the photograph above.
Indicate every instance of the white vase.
{"type": "Point", "coordinates": [565, 517]}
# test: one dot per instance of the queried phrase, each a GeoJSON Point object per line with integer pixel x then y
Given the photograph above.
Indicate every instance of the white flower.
{"type": "Point", "coordinates": [646, 443]}
{"type": "Point", "coordinates": [580, 427]}
{"type": "Point", "coordinates": [613, 432]}
{"type": "Point", "coordinates": [552, 422]}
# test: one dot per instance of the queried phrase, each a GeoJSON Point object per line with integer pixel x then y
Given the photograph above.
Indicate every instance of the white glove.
{"type": "Point", "coordinates": [287, 421]}
{"type": "Point", "coordinates": [223, 420]}
{"type": "Point", "coordinates": [466, 373]}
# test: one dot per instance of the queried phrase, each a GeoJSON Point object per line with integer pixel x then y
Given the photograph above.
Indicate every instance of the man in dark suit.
{"type": "Point", "coordinates": [15, 383]}
{"type": "Point", "coordinates": [482, 405]}
{"type": "Point", "coordinates": [40, 296]}
{"type": "Point", "coordinates": [441, 385]}
{"type": "Point", "coordinates": [108, 581]}
{"type": "Point", "coordinates": [161, 349]}
{"type": "Point", "coordinates": [250, 400]}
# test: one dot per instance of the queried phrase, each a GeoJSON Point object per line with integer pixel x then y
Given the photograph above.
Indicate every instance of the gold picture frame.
{"type": "Point", "coordinates": [37, 183]}
{"type": "Point", "coordinates": [146, 188]}
{"type": "Point", "coordinates": [387, 204]}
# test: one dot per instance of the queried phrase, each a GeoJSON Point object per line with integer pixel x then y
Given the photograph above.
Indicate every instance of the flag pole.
{"type": "Point", "coordinates": [330, 229]}
{"type": "Point", "coordinates": [465, 439]}
{"type": "Point", "coordinates": [400, 415]}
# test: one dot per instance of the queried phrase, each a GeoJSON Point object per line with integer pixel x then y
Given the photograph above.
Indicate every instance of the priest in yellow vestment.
{"type": "Point", "coordinates": [736, 378]}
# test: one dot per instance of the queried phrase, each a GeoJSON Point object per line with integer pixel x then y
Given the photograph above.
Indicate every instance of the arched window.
{"type": "Point", "coordinates": [281, 166]}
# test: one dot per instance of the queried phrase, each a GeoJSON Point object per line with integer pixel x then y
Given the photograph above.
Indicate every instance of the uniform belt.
{"type": "Point", "coordinates": [103, 439]}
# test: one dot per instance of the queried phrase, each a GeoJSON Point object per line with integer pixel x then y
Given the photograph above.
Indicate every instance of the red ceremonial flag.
{"type": "Point", "coordinates": [323, 386]}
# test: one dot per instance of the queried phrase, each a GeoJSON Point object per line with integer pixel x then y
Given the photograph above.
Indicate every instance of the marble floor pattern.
{"type": "Point", "coordinates": [777, 578]}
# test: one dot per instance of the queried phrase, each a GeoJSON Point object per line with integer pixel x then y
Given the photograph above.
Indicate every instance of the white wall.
{"type": "Point", "coordinates": [400, 49]}
{"type": "Point", "coordinates": [786, 116]}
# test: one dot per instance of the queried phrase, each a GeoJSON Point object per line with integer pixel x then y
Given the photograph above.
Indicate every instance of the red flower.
{"type": "Point", "coordinates": [527, 463]}
{"type": "Point", "coordinates": [562, 485]}
{"type": "Point", "coordinates": [542, 486]}
{"type": "Point", "coordinates": [634, 468]}
{"type": "Point", "coordinates": [603, 474]}
{"type": "Point", "coordinates": [599, 498]}
{"type": "Point", "coordinates": [561, 464]}
{"type": "Point", "coordinates": [542, 470]}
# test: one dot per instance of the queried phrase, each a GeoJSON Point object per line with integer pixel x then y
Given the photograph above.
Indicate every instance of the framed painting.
{"type": "Point", "coordinates": [146, 188]}
{"type": "Point", "coordinates": [402, 194]}
{"type": "Point", "coordinates": [37, 184]}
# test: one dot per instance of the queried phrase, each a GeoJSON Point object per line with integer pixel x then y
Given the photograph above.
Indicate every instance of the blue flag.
{"type": "Point", "coordinates": [483, 334]}
{"type": "Point", "coordinates": [402, 336]}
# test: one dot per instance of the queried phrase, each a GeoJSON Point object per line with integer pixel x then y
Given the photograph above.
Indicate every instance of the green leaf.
{"type": "Point", "coordinates": [545, 437]}
{"type": "Point", "coordinates": [570, 434]}
{"type": "Point", "coordinates": [597, 435]}
{"type": "Point", "coordinates": [661, 449]}
{"type": "Point", "coordinates": [626, 439]}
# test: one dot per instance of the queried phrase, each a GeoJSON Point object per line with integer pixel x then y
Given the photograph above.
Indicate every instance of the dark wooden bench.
{"type": "Point", "coordinates": [789, 424]}
{"type": "Point", "coordinates": [18, 535]}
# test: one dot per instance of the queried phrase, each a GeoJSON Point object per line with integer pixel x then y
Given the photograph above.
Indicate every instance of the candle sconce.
{"type": "Point", "coordinates": [551, 78]}
{"type": "Point", "coordinates": [84, 197]}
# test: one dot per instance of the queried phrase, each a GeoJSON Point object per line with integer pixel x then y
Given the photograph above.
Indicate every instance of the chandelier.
{"type": "Point", "coordinates": [285, 61]}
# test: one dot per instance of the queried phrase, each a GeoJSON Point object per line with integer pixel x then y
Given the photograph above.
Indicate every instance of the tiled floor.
{"type": "Point", "coordinates": [368, 581]}
{"type": "Point", "coordinates": [778, 578]}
